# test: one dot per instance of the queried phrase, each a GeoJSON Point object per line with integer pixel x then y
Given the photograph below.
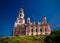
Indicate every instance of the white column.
{"type": "Point", "coordinates": [34, 30]}
{"type": "Point", "coordinates": [43, 32]}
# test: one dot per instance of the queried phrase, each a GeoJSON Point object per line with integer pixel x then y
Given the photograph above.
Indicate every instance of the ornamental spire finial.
{"type": "Point", "coordinates": [21, 3]}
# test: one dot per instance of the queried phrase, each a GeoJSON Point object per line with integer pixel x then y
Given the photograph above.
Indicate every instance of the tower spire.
{"type": "Point", "coordinates": [21, 3]}
{"type": "Point", "coordinates": [44, 20]}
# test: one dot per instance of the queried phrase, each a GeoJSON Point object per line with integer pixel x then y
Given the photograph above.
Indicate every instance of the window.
{"type": "Point", "coordinates": [45, 29]}
{"type": "Point", "coordinates": [31, 30]}
{"type": "Point", "coordinates": [23, 31]}
{"type": "Point", "coordinates": [41, 30]}
{"type": "Point", "coordinates": [36, 30]}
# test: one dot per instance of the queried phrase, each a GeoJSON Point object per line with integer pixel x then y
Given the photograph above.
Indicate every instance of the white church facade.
{"type": "Point", "coordinates": [28, 29]}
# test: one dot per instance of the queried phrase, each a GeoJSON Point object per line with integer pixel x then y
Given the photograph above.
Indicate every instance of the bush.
{"type": "Point", "coordinates": [23, 39]}
{"type": "Point", "coordinates": [54, 37]}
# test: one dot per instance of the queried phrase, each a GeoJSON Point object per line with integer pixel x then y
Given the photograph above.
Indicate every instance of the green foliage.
{"type": "Point", "coordinates": [54, 37]}
{"type": "Point", "coordinates": [23, 39]}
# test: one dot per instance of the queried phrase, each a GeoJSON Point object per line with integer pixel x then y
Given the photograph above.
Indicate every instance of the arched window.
{"type": "Point", "coordinates": [36, 30]}
{"type": "Point", "coordinates": [40, 29]}
{"type": "Point", "coordinates": [31, 30]}
{"type": "Point", "coordinates": [45, 29]}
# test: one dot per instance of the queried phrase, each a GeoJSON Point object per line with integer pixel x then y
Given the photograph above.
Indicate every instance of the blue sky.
{"type": "Point", "coordinates": [35, 9]}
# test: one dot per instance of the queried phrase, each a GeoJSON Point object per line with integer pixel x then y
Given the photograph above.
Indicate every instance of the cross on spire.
{"type": "Point", "coordinates": [21, 3]}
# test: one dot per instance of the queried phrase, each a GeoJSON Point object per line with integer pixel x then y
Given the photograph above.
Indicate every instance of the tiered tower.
{"type": "Point", "coordinates": [20, 19]}
{"type": "Point", "coordinates": [45, 27]}
{"type": "Point", "coordinates": [19, 23]}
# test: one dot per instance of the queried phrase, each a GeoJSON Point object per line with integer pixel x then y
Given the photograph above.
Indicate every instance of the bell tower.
{"type": "Point", "coordinates": [21, 16]}
{"type": "Point", "coordinates": [21, 13]}
{"type": "Point", "coordinates": [20, 19]}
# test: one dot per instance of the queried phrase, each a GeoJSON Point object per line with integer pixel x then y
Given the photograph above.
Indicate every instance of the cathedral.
{"type": "Point", "coordinates": [27, 29]}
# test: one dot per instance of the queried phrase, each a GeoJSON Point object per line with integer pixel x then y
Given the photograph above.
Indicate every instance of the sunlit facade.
{"type": "Point", "coordinates": [28, 29]}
